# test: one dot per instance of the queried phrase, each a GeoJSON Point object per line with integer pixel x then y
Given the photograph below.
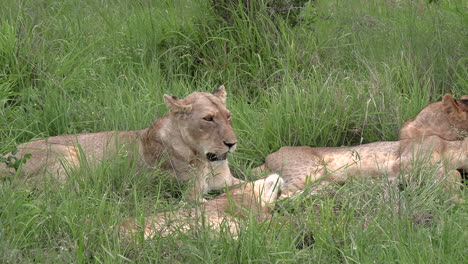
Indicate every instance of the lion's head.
{"type": "Point", "coordinates": [457, 111]}
{"type": "Point", "coordinates": [447, 119]}
{"type": "Point", "coordinates": [204, 123]}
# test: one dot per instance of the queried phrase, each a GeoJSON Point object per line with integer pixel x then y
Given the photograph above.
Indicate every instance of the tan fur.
{"type": "Point", "coordinates": [301, 165]}
{"type": "Point", "coordinates": [179, 142]}
{"type": "Point", "coordinates": [253, 199]}
{"type": "Point", "coordinates": [447, 119]}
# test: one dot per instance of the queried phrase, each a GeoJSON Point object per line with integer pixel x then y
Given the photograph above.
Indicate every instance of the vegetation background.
{"type": "Point", "coordinates": [319, 73]}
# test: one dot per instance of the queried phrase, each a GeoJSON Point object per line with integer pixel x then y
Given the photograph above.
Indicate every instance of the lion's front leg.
{"type": "Point", "coordinates": [197, 189]}
{"type": "Point", "coordinates": [221, 177]}
{"type": "Point", "coordinates": [221, 181]}
{"type": "Point", "coordinates": [298, 180]}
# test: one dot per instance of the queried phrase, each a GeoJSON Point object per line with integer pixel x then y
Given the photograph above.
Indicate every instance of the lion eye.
{"type": "Point", "coordinates": [229, 117]}
{"type": "Point", "coordinates": [208, 118]}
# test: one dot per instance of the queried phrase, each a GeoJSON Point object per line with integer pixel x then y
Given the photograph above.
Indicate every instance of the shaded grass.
{"type": "Point", "coordinates": [349, 72]}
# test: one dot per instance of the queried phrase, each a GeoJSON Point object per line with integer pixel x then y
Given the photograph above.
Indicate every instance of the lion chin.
{"type": "Point", "coordinates": [212, 157]}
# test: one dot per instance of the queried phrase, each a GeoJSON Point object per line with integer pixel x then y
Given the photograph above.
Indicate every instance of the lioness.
{"type": "Point", "coordinates": [192, 142]}
{"type": "Point", "coordinates": [300, 165]}
{"type": "Point", "coordinates": [252, 199]}
{"type": "Point", "coordinates": [430, 131]}
{"type": "Point", "coordinates": [447, 119]}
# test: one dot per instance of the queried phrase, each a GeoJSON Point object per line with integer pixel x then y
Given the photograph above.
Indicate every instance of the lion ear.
{"type": "Point", "coordinates": [175, 105]}
{"type": "Point", "coordinates": [450, 104]}
{"type": "Point", "coordinates": [221, 93]}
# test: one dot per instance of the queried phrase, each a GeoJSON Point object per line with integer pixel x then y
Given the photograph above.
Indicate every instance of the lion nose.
{"type": "Point", "coordinates": [229, 145]}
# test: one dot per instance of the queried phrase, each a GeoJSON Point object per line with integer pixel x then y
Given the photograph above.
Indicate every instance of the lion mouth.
{"type": "Point", "coordinates": [213, 157]}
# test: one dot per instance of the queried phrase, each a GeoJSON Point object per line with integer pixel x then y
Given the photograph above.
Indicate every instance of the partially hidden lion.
{"type": "Point", "coordinates": [192, 142]}
{"type": "Point", "coordinates": [447, 119]}
{"type": "Point", "coordinates": [437, 133]}
{"type": "Point", "coordinates": [299, 166]}
{"type": "Point", "coordinates": [251, 200]}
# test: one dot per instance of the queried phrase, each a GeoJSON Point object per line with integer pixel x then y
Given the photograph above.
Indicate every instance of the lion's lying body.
{"type": "Point", "coordinates": [300, 165]}
{"type": "Point", "coordinates": [57, 154]}
{"type": "Point", "coordinates": [252, 199]}
{"type": "Point", "coordinates": [192, 142]}
{"type": "Point", "coordinates": [437, 133]}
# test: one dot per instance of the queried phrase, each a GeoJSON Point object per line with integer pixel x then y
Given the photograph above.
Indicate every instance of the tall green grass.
{"type": "Point", "coordinates": [346, 72]}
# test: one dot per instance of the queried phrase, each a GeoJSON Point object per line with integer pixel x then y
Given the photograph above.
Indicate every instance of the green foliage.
{"type": "Point", "coordinates": [327, 73]}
